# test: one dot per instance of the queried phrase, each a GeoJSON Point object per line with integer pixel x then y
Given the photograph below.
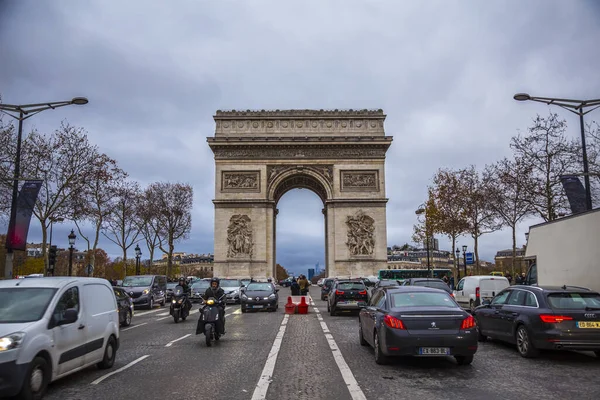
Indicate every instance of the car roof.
{"type": "Point", "coordinates": [556, 289]}
{"type": "Point", "coordinates": [408, 289]}
{"type": "Point", "coordinates": [427, 279]}
{"type": "Point", "coordinates": [49, 282]}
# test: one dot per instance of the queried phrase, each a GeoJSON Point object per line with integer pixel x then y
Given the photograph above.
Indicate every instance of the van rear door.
{"type": "Point", "coordinates": [490, 287]}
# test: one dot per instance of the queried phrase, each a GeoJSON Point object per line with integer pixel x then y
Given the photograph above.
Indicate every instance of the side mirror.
{"type": "Point", "coordinates": [486, 303]}
{"type": "Point", "coordinates": [69, 316]}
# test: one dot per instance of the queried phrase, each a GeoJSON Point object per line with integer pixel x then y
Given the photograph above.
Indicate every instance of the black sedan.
{"type": "Point", "coordinates": [125, 305]}
{"type": "Point", "coordinates": [534, 318]}
{"type": "Point", "coordinates": [259, 296]}
{"type": "Point", "coordinates": [347, 295]}
{"type": "Point", "coordinates": [417, 321]}
{"type": "Point", "coordinates": [429, 282]}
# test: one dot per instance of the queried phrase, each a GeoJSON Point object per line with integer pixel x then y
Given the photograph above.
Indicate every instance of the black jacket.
{"type": "Point", "coordinates": [211, 293]}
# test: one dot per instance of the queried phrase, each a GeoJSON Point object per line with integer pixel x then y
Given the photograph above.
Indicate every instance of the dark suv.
{"type": "Point", "coordinates": [347, 295]}
{"type": "Point", "coordinates": [428, 282]}
{"type": "Point", "coordinates": [327, 284]}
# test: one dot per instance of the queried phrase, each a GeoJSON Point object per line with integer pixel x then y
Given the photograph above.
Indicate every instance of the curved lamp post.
{"type": "Point", "coordinates": [22, 113]}
{"type": "Point", "coordinates": [138, 254]}
{"type": "Point", "coordinates": [72, 238]}
{"type": "Point", "coordinates": [576, 107]}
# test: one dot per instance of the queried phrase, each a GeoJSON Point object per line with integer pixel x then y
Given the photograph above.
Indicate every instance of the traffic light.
{"type": "Point", "coordinates": [52, 256]}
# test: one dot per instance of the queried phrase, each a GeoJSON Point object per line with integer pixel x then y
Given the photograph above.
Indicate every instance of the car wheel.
{"type": "Point", "coordinates": [524, 344]}
{"type": "Point", "coordinates": [472, 306]}
{"type": "Point", "coordinates": [328, 308]}
{"type": "Point", "coordinates": [464, 360]}
{"type": "Point", "coordinates": [480, 336]}
{"type": "Point", "coordinates": [109, 354]}
{"type": "Point", "coordinates": [361, 339]}
{"type": "Point", "coordinates": [151, 303]}
{"type": "Point", "coordinates": [332, 311]}
{"type": "Point", "coordinates": [163, 302]}
{"type": "Point", "coordinates": [127, 320]}
{"type": "Point", "coordinates": [380, 358]}
{"type": "Point", "coordinates": [37, 380]}
{"type": "Point", "coordinates": [244, 311]}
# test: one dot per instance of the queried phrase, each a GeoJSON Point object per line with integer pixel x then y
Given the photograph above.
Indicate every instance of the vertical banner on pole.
{"type": "Point", "coordinates": [575, 193]}
{"type": "Point", "coordinates": [17, 233]}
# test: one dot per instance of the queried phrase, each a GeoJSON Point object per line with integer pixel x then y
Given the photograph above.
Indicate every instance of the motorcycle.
{"type": "Point", "coordinates": [209, 317]}
{"type": "Point", "coordinates": [179, 304]}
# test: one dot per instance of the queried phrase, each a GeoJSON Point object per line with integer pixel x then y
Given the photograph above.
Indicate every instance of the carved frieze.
{"type": "Point", "coordinates": [359, 180]}
{"type": "Point", "coordinates": [240, 181]}
{"type": "Point", "coordinates": [240, 238]}
{"type": "Point", "coordinates": [361, 234]}
{"type": "Point", "coordinates": [326, 171]}
{"type": "Point", "coordinates": [293, 152]}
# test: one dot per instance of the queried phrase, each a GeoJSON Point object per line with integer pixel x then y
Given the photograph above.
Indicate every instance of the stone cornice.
{"type": "Point", "coordinates": [355, 150]}
{"type": "Point", "coordinates": [292, 114]}
{"type": "Point", "coordinates": [338, 140]}
{"type": "Point", "coordinates": [342, 203]}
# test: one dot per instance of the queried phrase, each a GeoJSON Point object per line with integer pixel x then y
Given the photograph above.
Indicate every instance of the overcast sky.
{"type": "Point", "coordinates": [155, 72]}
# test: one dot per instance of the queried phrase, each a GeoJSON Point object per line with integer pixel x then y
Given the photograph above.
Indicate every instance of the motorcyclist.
{"type": "Point", "coordinates": [217, 293]}
{"type": "Point", "coordinates": [187, 291]}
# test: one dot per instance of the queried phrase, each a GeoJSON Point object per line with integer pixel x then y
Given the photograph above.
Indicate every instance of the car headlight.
{"type": "Point", "coordinates": [146, 291]}
{"type": "Point", "coordinates": [11, 341]}
{"type": "Point", "coordinates": [271, 296]}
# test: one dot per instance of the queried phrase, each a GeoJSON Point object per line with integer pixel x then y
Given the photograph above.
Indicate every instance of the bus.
{"type": "Point", "coordinates": [400, 274]}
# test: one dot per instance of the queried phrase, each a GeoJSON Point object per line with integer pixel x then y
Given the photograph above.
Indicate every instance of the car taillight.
{"type": "Point", "coordinates": [364, 293]}
{"type": "Point", "coordinates": [554, 319]}
{"type": "Point", "coordinates": [393, 322]}
{"type": "Point", "coordinates": [468, 323]}
{"type": "Point", "coordinates": [339, 292]}
{"type": "Point", "coordinates": [452, 294]}
{"type": "Point", "coordinates": [476, 292]}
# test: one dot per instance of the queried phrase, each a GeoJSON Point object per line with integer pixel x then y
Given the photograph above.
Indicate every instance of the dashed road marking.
{"type": "Point", "coordinates": [146, 312]}
{"type": "Point", "coordinates": [177, 340]}
{"type": "Point", "coordinates": [355, 391]}
{"type": "Point", "coordinates": [131, 364]}
{"type": "Point", "coordinates": [134, 326]}
{"type": "Point", "coordinates": [260, 392]}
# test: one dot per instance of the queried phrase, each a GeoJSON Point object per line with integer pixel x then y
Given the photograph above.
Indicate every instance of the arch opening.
{"type": "Point", "coordinates": [299, 180]}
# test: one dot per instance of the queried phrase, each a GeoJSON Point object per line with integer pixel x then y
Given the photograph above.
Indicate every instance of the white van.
{"type": "Point", "coordinates": [52, 327]}
{"type": "Point", "coordinates": [472, 290]}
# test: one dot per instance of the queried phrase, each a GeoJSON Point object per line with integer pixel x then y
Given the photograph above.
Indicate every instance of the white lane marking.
{"type": "Point", "coordinates": [260, 392]}
{"type": "Point", "coordinates": [316, 309]}
{"type": "Point", "coordinates": [131, 364]}
{"type": "Point", "coordinates": [177, 340]}
{"type": "Point", "coordinates": [163, 314]}
{"type": "Point", "coordinates": [159, 319]}
{"type": "Point", "coordinates": [147, 312]}
{"type": "Point", "coordinates": [132, 327]}
{"type": "Point", "coordinates": [355, 391]}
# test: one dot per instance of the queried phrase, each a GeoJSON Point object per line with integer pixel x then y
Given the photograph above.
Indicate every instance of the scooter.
{"type": "Point", "coordinates": [209, 317]}
{"type": "Point", "coordinates": [179, 304]}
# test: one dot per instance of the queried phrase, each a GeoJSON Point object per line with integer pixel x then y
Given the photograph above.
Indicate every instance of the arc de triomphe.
{"type": "Point", "coordinates": [260, 155]}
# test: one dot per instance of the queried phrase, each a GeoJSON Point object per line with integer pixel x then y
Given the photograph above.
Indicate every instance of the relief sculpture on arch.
{"type": "Point", "coordinates": [361, 230]}
{"type": "Point", "coordinates": [240, 237]}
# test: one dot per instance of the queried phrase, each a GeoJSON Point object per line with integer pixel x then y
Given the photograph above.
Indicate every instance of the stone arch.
{"type": "Point", "coordinates": [299, 178]}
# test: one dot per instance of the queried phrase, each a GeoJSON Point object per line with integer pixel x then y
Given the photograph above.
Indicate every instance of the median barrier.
{"type": "Point", "coordinates": [290, 307]}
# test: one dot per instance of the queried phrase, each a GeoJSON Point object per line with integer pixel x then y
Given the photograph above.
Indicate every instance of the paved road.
{"type": "Point", "coordinates": [315, 356]}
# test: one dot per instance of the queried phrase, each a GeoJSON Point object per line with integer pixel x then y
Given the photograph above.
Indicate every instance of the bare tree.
{"type": "Point", "coordinates": [62, 160]}
{"type": "Point", "coordinates": [121, 226]}
{"type": "Point", "coordinates": [593, 149]}
{"type": "Point", "coordinates": [509, 182]}
{"type": "Point", "coordinates": [148, 224]}
{"type": "Point", "coordinates": [549, 154]}
{"type": "Point", "coordinates": [171, 204]}
{"type": "Point", "coordinates": [481, 217]}
{"type": "Point", "coordinates": [8, 137]}
{"type": "Point", "coordinates": [94, 202]}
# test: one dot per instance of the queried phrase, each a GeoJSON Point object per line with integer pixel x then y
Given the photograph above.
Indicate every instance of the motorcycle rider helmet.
{"type": "Point", "coordinates": [214, 280]}
{"type": "Point", "coordinates": [182, 280]}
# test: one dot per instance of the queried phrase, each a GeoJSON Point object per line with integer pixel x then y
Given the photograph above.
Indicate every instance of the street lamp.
{"type": "Point", "coordinates": [465, 258]}
{"type": "Point", "coordinates": [22, 113]}
{"type": "Point", "coordinates": [576, 107]}
{"type": "Point", "coordinates": [138, 254]}
{"type": "Point", "coordinates": [423, 210]}
{"type": "Point", "coordinates": [72, 238]}
{"type": "Point", "coordinates": [457, 261]}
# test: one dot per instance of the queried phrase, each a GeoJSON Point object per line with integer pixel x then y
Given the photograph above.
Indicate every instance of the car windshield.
{"type": "Point", "coordinates": [137, 281]}
{"type": "Point", "coordinates": [230, 283]}
{"type": "Point", "coordinates": [171, 285]}
{"type": "Point", "coordinates": [201, 285]}
{"type": "Point", "coordinates": [19, 305]}
{"type": "Point", "coordinates": [432, 284]}
{"type": "Point", "coordinates": [260, 287]}
{"type": "Point", "coordinates": [574, 301]}
{"type": "Point", "coordinates": [350, 286]}
{"type": "Point", "coordinates": [421, 299]}
{"type": "Point", "coordinates": [245, 281]}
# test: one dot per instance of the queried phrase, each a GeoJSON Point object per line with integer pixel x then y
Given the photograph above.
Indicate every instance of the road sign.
{"type": "Point", "coordinates": [89, 269]}
{"type": "Point", "coordinates": [470, 258]}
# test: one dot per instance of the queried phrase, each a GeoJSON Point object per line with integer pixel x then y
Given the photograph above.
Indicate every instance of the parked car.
{"type": "Point", "coordinates": [146, 290]}
{"type": "Point", "coordinates": [233, 286]}
{"type": "Point", "coordinates": [347, 295]}
{"type": "Point", "coordinates": [417, 321]}
{"type": "Point", "coordinates": [327, 284]}
{"type": "Point", "coordinates": [428, 282]}
{"type": "Point", "coordinates": [259, 296]}
{"type": "Point", "coordinates": [535, 318]}
{"type": "Point", "coordinates": [287, 282]}
{"type": "Point", "coordinates": [320, 282]}
{"type": "Point", "coordinates": [246, 281]}
{"type": "Point", "coordinates": [41, 335]}
{"type": "Point", "coordinates": [198, 289]}
{"type": "Point", "coordinates": [472, 290]}
{"type": "Point", "coordinates": [125, 306]}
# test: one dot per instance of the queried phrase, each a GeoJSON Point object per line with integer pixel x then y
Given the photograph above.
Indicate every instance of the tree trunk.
{"type": "Point", "coordinates": [456, 264]}
{"type": "Point", "coordinates": [44, 246]}
{"type": "Point", "coordinates": [476, 250]}
{"type": "Point", "coordinates": [514, 248]}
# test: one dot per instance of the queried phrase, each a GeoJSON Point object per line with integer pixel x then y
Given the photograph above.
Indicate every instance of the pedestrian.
{"type": "Point", "coordinates": [445, 279]}
{"type": "Point", "coordinates": [295, 288]}
{"type": "Point", "coordinates": [518, 280]}
{"type": "Point", "coordinates": [509, 277]}
{"type": "Point", "coordinates": [303, 283]}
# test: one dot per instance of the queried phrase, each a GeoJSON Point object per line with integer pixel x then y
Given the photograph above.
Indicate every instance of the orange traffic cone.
{"type": "Point", "coordinates": [303, 306]}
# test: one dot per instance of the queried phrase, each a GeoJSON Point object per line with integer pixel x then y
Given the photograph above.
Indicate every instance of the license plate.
{"type": "Point", "coordinates": [434, 351]}
{"type": "Point", "coordinates": [588, 324]}
{"type": "Point", "coordinates": [257, 306]}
